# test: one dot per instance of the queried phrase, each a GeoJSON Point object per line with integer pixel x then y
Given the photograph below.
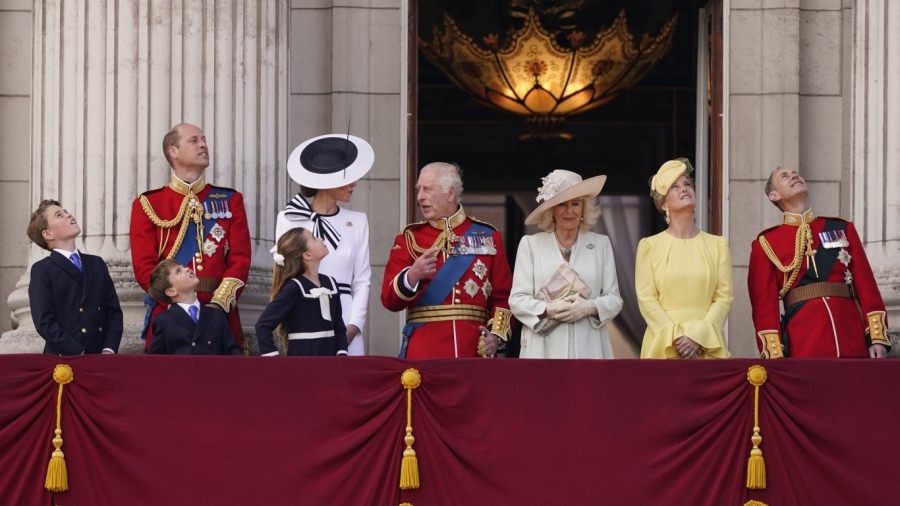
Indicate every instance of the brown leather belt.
{"type": "Point", "coordinates": [815, 291]}
{"type": "Point", "coordinates": [208, 284]}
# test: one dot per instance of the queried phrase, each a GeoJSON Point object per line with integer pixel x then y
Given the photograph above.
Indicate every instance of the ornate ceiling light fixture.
{"type": "Point", "coordinates": [536, 77]}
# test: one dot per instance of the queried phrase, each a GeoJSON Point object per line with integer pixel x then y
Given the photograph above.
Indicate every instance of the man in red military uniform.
{"type": "Point", "coordinates": [818, 268]}
{"type": "Point", "coordinates": [450, 273]}
{"type": "Point", "coordinates": [202, 226]}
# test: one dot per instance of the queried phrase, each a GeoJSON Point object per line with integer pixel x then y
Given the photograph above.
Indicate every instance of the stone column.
{"type": "Point", "coordinates": [109, 80]}
{"type": "Point", "coordinates": [872, 168]}
{"type": "Point", "coordinates": [763, 132]}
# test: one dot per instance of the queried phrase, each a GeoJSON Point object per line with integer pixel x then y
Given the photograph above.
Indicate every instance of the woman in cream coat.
{"type": "Point", "coordinates": [575, 326]}
{"type": "Point", "coordinates": [682, 275]}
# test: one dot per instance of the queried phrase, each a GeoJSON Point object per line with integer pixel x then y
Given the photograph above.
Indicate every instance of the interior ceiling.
{"type": "Point", "coordinates": [626, 139]}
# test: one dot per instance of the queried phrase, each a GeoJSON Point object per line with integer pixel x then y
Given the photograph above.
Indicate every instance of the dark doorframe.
{"type": "Point", "coordinates": [412, 108]}
{"type": "Point", "coordinates": [716, 68]}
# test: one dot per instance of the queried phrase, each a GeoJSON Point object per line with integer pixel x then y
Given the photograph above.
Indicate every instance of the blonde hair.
{"type": "Point", "coordinates": [589, 215]}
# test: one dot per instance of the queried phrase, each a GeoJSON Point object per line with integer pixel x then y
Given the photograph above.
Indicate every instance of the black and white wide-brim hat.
{"type": "Point", "coordinates": [330, 161]}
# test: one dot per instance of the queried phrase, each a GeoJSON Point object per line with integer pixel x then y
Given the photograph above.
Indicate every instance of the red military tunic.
{"type": "Point", "coordinates": [478, 298]}
{"type": "Point", "coordinates": [821, 326]}
{"type": "Point", "coordinates": [221, 260]}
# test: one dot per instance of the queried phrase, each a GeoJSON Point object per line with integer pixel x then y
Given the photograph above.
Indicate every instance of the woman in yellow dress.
{"type": "Point", "coordinates": [682, 275]}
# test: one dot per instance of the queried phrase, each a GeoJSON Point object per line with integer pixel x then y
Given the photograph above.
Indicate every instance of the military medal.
{"type": "Point", "coordinates": [217, 232]}
{"type": "Point", "coordinates": [209, 247]}
{"type": "Point", "coordinates": [487, 288]}
{"type": "Point", "coordinates": [471, 287]}
{"type": "Point", "coordinates": [479, 269]}
{"type": "Point", "coordinates": [227, 211]}
{"type": "Point", "coordinates": [831, 239]}
{"type": "Point", "coordinates": [844, 257]}
{"type": "Point", "coordinates": [206, 212]}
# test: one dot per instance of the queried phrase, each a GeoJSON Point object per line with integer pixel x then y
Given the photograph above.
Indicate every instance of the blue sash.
{"type": "Point", "coordinates": [189, 248]}
{"type": "Point", "coordinates": [442, 282]}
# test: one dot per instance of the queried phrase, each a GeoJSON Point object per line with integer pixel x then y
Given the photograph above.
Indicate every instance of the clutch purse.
{"type": "Point", "coordinates": [562, 283]}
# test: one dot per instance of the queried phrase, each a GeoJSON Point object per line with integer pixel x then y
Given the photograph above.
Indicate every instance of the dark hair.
{"type": "Point", "coordinates": [172, 138]}
{"type": "Point", "coordinates": [38, 223]}
{"type": "Point", "coordinates": [159, 280]}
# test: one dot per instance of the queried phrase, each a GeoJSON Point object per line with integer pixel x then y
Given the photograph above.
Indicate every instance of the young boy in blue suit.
{"type": "Point", "coordinates": [187, 327]}
{"type": "Point", "coordinates": [73, 301]}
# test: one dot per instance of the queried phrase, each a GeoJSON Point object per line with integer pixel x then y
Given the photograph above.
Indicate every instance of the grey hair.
{"type": "Point", "coordinates": [589, 215]}
{"type": "Point", "coordinates": [448, 175]}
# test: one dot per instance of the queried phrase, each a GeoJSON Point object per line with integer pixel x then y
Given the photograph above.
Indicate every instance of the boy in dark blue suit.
{"type": "Point", "coordinates": [73, 301]}
{"type": "Point", "coordinates": [187, 327]}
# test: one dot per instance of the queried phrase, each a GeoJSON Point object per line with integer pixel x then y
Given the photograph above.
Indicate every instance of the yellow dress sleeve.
{"type": "Point", "coordinates": [661, 330]}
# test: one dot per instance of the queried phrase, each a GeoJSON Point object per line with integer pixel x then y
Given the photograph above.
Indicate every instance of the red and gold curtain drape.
{"type": "Point", "coordinates": [147, 430]}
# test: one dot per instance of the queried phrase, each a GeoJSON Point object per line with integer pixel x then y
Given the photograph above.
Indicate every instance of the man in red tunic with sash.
{"type": "Point", "coordinates": [450, 273]}
{"type": "Point", "coordinates": [202, 226]}
{"type": "Point", "coordinates": [818, 269]}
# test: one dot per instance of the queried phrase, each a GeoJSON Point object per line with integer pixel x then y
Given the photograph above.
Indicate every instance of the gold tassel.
{"type": "Point", "coordinates": [409, 467]}
{"type": "Point", "coordinates": [756, 466]}
{"type": "Point", "coordinates": [751, 503]}
{"type": "Point", "coordinates": [57, 476]}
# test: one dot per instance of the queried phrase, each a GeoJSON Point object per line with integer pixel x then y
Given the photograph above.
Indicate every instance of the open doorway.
{"type": "Point", "coordinates": [674, 110]}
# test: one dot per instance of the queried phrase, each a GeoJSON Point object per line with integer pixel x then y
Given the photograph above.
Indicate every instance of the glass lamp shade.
{"type": "Point", "coordinates": [535, 77]}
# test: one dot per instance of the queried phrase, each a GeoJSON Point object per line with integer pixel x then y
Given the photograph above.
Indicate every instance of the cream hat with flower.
{"type": "Point", "coordinates": [666, 176]}
{"type": "Point", "coordinates": [561, 186]}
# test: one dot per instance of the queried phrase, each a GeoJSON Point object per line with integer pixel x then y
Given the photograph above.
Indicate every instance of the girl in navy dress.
{"type": "Point", "coordinates": [305, 308]}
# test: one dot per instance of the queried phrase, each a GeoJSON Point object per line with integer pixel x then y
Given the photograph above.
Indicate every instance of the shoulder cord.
{"type": "Point", "coordinates": [802, 247]}
{"type": "Point", "coordinates": [190, 209]}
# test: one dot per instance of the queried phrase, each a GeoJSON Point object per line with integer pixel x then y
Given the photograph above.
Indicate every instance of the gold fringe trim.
{"type": "Point", "coordinates": [409, 467]}
{"type": "Point", "coordinates": [748, 503]}
{"type": "Point", "coordinates": [756, 466]}
{"type": "Point", "coordinates": [57, 476]}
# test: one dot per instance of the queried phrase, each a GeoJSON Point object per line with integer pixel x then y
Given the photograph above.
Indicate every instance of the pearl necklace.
{"type": "Point", "coordinates": [566, 252]}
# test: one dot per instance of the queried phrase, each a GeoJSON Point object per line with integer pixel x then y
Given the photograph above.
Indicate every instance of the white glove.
{"type": "Point", "coordinates": [555, 307]}
{"type": "Point", "coordinates": [577, 309]}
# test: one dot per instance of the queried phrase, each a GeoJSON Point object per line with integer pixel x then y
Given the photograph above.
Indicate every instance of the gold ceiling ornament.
{"type": "Point", "coordinates": [534, 76]}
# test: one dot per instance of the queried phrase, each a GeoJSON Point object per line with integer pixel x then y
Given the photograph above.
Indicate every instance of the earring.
{"type": "Point", "coordinates": [667, 216]}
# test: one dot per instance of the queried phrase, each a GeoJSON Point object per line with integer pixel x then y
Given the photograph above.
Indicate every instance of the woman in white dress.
{"type": "Point", "coordinates": [327, 169]}
{"type": "Point", "coordinates": [571, 322]}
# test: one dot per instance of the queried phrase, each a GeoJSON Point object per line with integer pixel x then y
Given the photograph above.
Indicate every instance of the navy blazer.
{"type": "Point", "coordinates": [175, 333]}
{"type": "Point", "coordinates": [75, 312]}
